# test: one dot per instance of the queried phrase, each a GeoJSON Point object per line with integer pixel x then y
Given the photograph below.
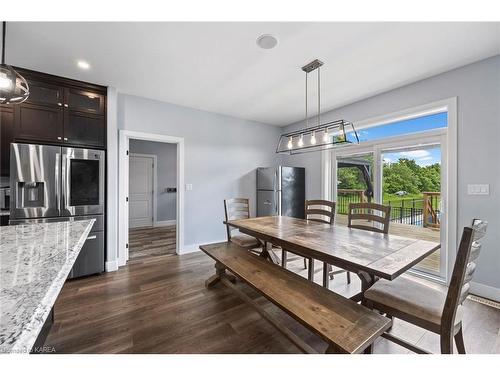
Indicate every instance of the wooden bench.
{"type": "Point", "coordinates": [346, 326]}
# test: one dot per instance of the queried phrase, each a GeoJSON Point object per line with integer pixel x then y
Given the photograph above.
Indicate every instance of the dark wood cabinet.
{"type": "Point", "coordinates": [84, 130]}
{"type": "Point", "coordinates": [61, 111]}
{"type": "Point", "coordinates": [84, 101]}
{"type": "Point", "coordinates": [58, 111]}
{"type": "Point", "coordinates": [38, 124]}
{"type": "Point", "coordinates": [6, 137]}
{"type": "Point", "coordinates": [45, 94]}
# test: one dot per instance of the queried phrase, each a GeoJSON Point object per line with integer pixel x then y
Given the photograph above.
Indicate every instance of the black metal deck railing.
{"type": "Point", "coordinates": [420, 212]}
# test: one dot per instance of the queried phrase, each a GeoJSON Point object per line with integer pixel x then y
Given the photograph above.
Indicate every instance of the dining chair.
{"type": "Point", "coordinates": [369, 216]}
{"type": "Point", "coordinates": [439, 311]}
{"type": "Point", "coordinates": [321, 211]}
{"type": "Point", "coordinates": [239, 208]}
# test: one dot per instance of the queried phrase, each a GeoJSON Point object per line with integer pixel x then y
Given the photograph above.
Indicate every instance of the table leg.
{"type": "Point", "coordinates": [268, 253]}
{"type": "Point", "coordinates": [283, 258]}
{"type": "Point", "coordinates": [367, 281]}
{"type": "Point", "coordinates": [326, 275]}
{"type": "Point", "coordinates": [310, 271]}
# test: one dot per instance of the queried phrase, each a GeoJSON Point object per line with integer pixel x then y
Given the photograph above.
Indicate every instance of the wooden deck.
{"type": "Point", "coordinates": [432, 262]}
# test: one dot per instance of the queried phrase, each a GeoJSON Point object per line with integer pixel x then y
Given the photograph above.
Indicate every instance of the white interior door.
{"type": "Point", "coordinates": [140, 191]}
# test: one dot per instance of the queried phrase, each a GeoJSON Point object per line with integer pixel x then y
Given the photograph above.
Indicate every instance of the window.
{"type": "Point", "coordinates": [411, 126]}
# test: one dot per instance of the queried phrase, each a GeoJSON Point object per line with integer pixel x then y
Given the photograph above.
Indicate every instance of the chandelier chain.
{"type": "Point", "coordinates": [4, 27]}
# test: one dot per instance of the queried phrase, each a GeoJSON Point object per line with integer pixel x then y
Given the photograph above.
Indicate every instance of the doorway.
{"type": "Point", "coordinates": [141, 190]}
{"type": "Point", "coordinates": [152, 198]}
{"type": "Point", "coordinates": [150, 195]}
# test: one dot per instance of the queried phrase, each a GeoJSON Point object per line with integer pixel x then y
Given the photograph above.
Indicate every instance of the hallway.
{"type": "Point", "coordinates": [151, 241]}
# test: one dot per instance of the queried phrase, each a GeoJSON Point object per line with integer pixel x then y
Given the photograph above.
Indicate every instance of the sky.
{"type": "Point", "coordinates": [422, 157]}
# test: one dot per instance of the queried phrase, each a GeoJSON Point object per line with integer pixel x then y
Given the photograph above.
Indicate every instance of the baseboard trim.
{"type": "Point", "coordinates": [165, 223]}
{"type": "Point", "coordinates": [111, 266]}
{"type": "Point", "coordinates": [196, 247]}
{"type": "Point", "coordinates": [485, 291]}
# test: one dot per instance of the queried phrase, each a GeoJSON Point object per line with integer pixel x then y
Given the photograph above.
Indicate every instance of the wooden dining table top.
{"type": "Point", "coordinates": [383, 255]}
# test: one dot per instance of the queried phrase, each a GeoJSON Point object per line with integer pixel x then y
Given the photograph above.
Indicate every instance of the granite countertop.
{"type": "Point", "coordinates": [35, 260]}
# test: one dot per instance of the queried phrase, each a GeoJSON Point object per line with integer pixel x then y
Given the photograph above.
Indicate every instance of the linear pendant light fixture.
{"type": "Point", "coordinates": [321, 136]}
{"type": "Point", "coordinates": [13, 87]}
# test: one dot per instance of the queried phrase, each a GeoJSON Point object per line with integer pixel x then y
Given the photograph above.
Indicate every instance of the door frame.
{"type": "Point", "coordinates": [123, 178]}
{"type": "Point", "coordinates": [155, 182]}
{"type": "Point", "coordinates": [448, 139]}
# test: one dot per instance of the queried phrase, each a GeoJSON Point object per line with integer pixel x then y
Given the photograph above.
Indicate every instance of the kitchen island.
{"type": "Point", "coordinates": [35, 260]}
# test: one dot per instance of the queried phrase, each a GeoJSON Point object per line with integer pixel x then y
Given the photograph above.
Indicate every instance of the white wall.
{"type": "Point", "coordinates": [477, 88]}
{"type": "Point", "coordinates": [166, 154]}
{"type": "Point", "coordinates": [221, 155]}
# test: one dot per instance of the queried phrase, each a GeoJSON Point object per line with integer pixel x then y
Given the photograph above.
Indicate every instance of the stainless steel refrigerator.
{"type": "Point", "coordinates": [281, 191]}
{"type": "Point", "coordinates": [52, 183]}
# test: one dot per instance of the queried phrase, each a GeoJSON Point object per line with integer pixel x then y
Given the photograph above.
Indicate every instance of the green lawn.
{"type": "Point", "coordinates": [395, 200]}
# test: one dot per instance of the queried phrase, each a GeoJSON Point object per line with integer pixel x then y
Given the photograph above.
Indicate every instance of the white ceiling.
{"type": "Point", "coordinates": [218, 67]}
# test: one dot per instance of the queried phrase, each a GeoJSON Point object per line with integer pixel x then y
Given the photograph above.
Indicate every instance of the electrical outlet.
{"type": "Point", "coordinates": [478, 189]}
{"type": "Point", "coordinates": [189, 187]}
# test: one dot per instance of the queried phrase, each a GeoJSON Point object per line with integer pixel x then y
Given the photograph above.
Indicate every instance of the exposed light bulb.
{"type": "Point", "coordinates": [5, 83]}
{"type": "Point", "coordinates": [313, 138]}
{"type": "Point", "coordinates": [290, 143]}
{"type": "Point", "coordinates": [325, 136]}
{"type": "Point", "coordinates": [301, 141]}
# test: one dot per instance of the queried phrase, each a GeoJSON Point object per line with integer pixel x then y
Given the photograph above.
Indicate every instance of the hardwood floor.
{"type": "Point", "coordinates": [160, 305]}
{"type": "Point", "coordinates": [151, 241]}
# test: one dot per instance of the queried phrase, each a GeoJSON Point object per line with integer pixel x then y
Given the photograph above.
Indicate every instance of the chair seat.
{"type": "Point", "coordinates": [411, 298]}
{"type": "Point", "coordinates": [245, 240]}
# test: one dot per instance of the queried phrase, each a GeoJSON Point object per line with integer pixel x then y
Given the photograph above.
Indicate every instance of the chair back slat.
{"type": "Point", "coordinates": [463, 271]}
{"type": "Point", "coordinates": [234, 209]}
{"type": "Point", "coordinates": [464, 293]}
{"type": "Point", "coordinates": [474, 251]}
{"type": "Point", "coordinates": [369, 216]}
{"type": "Point", "coordinates": [321, 211]}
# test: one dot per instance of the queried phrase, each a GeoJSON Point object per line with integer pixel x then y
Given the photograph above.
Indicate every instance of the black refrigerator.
{"type": "Point", "coordinates": [281, 191]}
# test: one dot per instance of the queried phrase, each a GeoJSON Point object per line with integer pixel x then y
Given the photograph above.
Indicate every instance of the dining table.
{"type": "Point", "coordinates": [368, 254]}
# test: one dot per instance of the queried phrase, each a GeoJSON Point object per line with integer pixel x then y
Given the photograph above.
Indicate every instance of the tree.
{"type": "Point", "coordinates": [350, 178]}
{"type": "Point", "coordinates": [400, 177]}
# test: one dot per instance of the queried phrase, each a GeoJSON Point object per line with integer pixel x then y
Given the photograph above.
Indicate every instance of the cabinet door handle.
{"type": "Point", "coordinates": [65, 138]}
{"type": "Point", "coordinates": [91, 237]}
{"type": "Point", "coordinates": [66, 105]}
{"type": "Point", "coordinates": [59, 104]}
{"type": "Point", "coordinates": [59, 138]}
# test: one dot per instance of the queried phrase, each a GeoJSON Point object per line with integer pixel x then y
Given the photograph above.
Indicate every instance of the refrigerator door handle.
{"type": "Point", "coordinates": [278, 203]}
{"type": "Point", "coordinates": [57, 182]}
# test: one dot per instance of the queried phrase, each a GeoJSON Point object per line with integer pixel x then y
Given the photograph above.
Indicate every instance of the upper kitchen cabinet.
{"type": "Point", "coordinates": [6, 136]}
{"type": "Point", "coordinates": [85, 101]}
{"type": "Point", "coordinates": [45, 94]}
{"type": "Point", "coordinates": [61, 111]}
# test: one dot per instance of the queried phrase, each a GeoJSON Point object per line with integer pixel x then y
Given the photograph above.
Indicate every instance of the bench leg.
{"type": "Point", "coordinates": [220, 271]}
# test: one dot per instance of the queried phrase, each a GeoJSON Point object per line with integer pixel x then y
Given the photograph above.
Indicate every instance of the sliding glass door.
{"type": "Point", "coordinates": [411, 186]}
{"type": "Point", "coordinates": [409, 174]}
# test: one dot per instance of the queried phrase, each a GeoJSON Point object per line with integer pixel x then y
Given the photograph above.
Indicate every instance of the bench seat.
{"type": "Point", "coordinates": [346, 326]}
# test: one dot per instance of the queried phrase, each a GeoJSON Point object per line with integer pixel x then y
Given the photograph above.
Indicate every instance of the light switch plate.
{"type": "Point", "coordinates": [189, 187]}
{"type": "Point", "coordinates": [478, 189]}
